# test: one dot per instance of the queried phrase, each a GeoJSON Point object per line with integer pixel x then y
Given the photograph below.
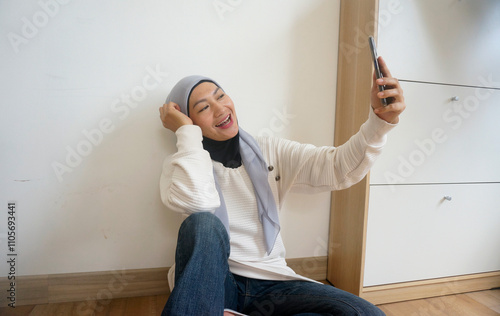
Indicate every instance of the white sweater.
{"type": "Point", "coordinates": [187, 185]}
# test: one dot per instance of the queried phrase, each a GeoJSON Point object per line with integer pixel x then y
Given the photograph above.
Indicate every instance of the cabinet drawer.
{"type": "Point", "coordinates": [443, 141]}
{"type": "Point", "coordinates": [413, 233]}
{"type": "Point", "coordinates": [441, 41]}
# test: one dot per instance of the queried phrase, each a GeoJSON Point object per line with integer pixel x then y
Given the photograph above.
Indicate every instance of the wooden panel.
{"type": "Point", "coordinates": [29, 290]}
{"type": "Point", "coordinates": [430, 288]}
{"type": "Point", "coordinates": [89, 286]}
{"type": "Point", "coordinates": [100, 288]}
{"type": "Point", "coordinates": [107, 285]}
{"type": "Point", "coordinates": [442, 41]}
{"type": "Point", "coordinates": [348, 213]}
{"type": "Point", "coordinates": [312, 267]}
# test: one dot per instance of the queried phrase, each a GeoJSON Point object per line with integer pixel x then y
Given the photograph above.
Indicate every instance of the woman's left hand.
{"type": "Point", "coordinates": [392, 92]}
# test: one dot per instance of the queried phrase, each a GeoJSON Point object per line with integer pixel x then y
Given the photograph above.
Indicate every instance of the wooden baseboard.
{"type": "Point", "coordinates": [430, 288]}
{"type": "Point", "coordinates": [87, 287]}
{"type": "Point", "coordinates": [90, 287]}
{"type": "Point", "coordinates": [311, 267]}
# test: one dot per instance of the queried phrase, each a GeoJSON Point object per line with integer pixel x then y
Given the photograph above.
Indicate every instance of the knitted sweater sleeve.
{"type": "Point", "coordinates": [187, 181]}
{"type": "Point", "coordinates": [307, 168]}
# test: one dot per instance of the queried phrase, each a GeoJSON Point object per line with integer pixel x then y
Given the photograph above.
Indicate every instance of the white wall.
{"type": "Point", "coordinates": [103, 68]}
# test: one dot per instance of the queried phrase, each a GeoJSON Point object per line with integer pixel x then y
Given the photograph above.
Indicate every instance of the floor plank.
{"type": "Point", "coordinates": [55, 309]}
{"type": "Point", "coordinates": [451, 305]}
{"type": "Point", "coordinates": [483, 303]}
{"type": "Point", "coordinates": [142, 306]}
{"type": "Point", "coordinates": [161, 300]}
{"type": "Point", "coordinates": [459, 305]}
{"type": "Point", "coordinates": [491, 299]}
{"type": "Point", "coordinates": [114, 307]}
{"type": "Point", "coordinates": [17, 311]}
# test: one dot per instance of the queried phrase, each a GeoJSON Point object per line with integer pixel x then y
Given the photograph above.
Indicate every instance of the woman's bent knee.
{"type": "Point", "coordinates": [203, 224]}
{"type": "Point", "coordinates": [202, 220]}
{"type": "Point", "coordinates": [203, 232]}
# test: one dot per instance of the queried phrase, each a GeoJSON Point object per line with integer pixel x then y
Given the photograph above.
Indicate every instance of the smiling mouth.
{"type": "Point", "coordinates": [226, 121]}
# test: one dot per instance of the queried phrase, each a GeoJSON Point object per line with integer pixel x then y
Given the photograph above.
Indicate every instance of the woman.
{"type": "Point", "coordinates": [230, 255]}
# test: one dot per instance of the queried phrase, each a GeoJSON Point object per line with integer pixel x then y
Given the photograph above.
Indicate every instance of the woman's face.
{"type": "Point", "coordinates": [213, 111]}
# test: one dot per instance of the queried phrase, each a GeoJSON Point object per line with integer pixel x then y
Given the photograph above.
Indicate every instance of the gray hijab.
{"type": "Point", "coordinates": [252, 159]}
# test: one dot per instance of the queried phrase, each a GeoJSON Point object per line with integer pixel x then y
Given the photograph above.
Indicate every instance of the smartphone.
{"type": "Point", "coordinates": [378, 73]}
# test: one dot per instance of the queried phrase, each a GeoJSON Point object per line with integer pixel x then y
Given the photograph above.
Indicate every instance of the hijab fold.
{"type": "Point", "coordinates": [226, 152]}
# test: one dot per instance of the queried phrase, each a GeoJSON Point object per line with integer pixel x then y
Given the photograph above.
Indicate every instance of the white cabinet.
{"type": "Point", "coordinates": [414, 233]}
{"type": "Point", "coordinates": [395, 237]}
{"type": "Point", "coordinates": [445, 54]}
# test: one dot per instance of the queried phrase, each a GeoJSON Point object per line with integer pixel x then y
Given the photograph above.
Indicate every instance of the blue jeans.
{"type": "Point", "coordinates": [205, 286]}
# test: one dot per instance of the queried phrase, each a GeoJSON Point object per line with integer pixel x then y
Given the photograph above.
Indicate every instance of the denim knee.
{"type": "Point", "coordinates": [204, 225]}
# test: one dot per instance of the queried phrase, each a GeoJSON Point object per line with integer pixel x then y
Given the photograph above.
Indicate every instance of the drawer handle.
{"type": "Point", "coordinates": [455, 98]}
{"type": "Point", "coordinates": [447, 198]}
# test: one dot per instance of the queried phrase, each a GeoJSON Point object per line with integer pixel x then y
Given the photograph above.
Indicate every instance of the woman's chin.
{"type": "Point", "coordinates": [225, 134]}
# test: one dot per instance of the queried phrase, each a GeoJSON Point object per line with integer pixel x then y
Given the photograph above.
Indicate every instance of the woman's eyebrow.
{"type": "Point", "coordinates": [203, 100]}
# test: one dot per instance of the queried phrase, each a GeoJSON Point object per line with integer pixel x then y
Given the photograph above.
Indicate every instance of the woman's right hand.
{"type": "Point", "coordinates": [172, 117]}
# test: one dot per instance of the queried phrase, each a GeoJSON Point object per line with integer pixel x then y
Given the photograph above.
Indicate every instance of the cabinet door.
{"type": "Point", "coordinates": [453, 41]}
{"type": "Point", "coordinates": [443, 141]}
{"type": "Point", "coordinates": [415, 234]}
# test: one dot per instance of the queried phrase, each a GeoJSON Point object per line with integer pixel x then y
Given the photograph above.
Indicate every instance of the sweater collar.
{"type": "Point", "coordinates": [226, 152]}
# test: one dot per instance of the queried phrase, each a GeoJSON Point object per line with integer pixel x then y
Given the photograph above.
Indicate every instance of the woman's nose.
{"type": "Point", "coordinates": [218, 109]}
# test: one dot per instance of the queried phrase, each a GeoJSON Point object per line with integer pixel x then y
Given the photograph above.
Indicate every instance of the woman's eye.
{"type": "Point", "coordinates": [203, 109]}
{"type": "Point", "coordinates": [221, 96]}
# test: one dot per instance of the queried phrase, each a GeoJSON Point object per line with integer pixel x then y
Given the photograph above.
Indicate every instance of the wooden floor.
{"type": "Point", "coordinates": [481, 303]}
{"type": "Point", "coordinates": [134, 306]}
